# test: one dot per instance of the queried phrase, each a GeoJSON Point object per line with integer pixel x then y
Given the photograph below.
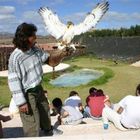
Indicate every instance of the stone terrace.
{"type": "Point", "coordinates": [90, 129]}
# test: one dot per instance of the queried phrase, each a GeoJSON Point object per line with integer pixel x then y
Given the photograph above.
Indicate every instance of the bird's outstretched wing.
{"type": "Point", "coordinates": [53, 25]}
{"type": "Point", "coordinates": [92, 18]}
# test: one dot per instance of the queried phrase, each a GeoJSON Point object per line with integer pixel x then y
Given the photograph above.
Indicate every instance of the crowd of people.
{"type": "Point", "coordinates": [99, 107]}
{"type": "Point", "coordinates": [24, 79]}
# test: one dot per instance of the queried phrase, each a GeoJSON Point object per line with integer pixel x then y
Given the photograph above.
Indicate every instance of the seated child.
{"type": "Point", "coordinates": [67, 114]}
{"type": "Point", "coordinates": [74, 100]}
{"type": "Point", "coordinates": [95, 104]}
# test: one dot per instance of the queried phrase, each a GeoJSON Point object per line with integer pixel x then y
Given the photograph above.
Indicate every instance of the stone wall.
{"type": "Point", "coordinates": [125, 48]}
{"type": "Point", "coordinates": [5, 51]}
{"type": "Point", "coordinates": [114, 47]}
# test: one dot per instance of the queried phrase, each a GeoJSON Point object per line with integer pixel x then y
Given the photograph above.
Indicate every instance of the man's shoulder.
{"type": "Point", "coordinates": [36, 48]}
{"type": "Point", "coordinates": [126, 100]}
{"type": "Point", "coordinates": [16, 54]}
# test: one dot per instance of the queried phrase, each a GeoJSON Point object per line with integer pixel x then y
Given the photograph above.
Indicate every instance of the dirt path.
{"type": "Point", "coordinates": [136, 64]}
{"type": "Point", "coordinates": [46, 69]}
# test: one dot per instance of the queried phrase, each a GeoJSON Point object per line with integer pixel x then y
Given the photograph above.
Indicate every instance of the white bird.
{"type": "Point", "coordinates": [66, 33]}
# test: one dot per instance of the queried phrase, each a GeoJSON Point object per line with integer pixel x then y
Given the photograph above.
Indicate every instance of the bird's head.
{"type": "Point", "coordinates": [69, 24]}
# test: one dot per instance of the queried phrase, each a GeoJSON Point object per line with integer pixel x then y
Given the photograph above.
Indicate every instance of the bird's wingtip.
{"type": "Point", "coordinates": [43, 8]}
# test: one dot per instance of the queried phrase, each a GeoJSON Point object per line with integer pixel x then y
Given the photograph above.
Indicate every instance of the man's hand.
{"type": "Point", "coordinates": [24, 108]}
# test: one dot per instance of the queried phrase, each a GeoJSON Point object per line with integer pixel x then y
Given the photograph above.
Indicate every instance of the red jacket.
{"type": "Point", "coordinates": [96, 105]}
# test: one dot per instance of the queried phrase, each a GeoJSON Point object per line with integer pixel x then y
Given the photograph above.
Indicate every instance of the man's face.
{"type": "Point", "coordinates": [32, 40]}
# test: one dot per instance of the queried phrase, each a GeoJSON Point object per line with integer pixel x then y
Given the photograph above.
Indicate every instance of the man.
{"type": "Point", "coordinates": [25, 76]}
{"type": "Point", "coordinates": [128, 114]}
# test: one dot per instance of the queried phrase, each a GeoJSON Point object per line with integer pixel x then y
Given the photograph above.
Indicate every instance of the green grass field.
{"type": "Point", "coordinates": [120, 80]}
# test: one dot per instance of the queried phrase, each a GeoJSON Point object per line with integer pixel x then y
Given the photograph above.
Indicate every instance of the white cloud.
{"type": "Point", "coordinates": [122, 17]}
{"type": "Point", "coordinates": [22, 2]}
{"type": "Point", "coordinates": [55, 2]}
{"type": "Point", "coordinates": [31, 15]}
{"type": "Point", "coordinates": [136, 16]}
{"type": "Point", "coordinates": [124, 1]}
{"type": "Point", "coordinates": [8, 20]}
{"type": "Point", "coordinates": [128, 1]}
{"type": "Point", "coordinates": [6, 14]}
{"type": "Point", "coordinates": [75, 18]}
{"type": "Point", "coordinates": [6, 17]}
{"type": "Point", "coordinates": [117, 20]}
{"type": "Point", "coordinates": [91, 4]}
{"type": "Point", "coordinates": [35, 18]}
{"type": "Point", "coordinates": [7, 9]}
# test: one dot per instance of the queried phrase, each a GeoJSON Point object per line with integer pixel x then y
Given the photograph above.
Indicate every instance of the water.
{"type": "Point", "coordinates": [76, 78]}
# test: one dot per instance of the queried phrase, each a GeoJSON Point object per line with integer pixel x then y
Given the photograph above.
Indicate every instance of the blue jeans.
{"type": "Point", "coordinates": [87, 114]}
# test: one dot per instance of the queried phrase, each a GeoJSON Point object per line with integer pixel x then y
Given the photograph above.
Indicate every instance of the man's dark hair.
{"type": "Point", "coordinates": [23, 32]}
{"type": "Point", "coordinates": [73, 93]}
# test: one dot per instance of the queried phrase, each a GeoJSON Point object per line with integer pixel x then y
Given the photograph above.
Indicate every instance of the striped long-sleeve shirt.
{"type": "Point", "coordinates": [25, 72]}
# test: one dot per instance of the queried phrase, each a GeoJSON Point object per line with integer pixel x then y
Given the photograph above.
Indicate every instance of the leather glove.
{"type": "Point", "coordinates": [57, 56]}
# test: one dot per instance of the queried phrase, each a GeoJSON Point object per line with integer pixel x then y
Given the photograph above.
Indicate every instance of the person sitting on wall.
{"type": "Point", "coordinates": [128, 114]}
{"type": "Point", "coordinates": [95, 104]}
{"type": "Point", "coordinates": [68, 115]}
{"type": "Point", "coordinates": [74, 100]}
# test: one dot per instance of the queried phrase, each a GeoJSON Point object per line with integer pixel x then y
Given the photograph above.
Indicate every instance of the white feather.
{"type": "Point", "coordinates": [52, 23]}
{"type": "Point", "coordinates": [91, 19]}
{"type": "Point", "coordinates": [57, 29]}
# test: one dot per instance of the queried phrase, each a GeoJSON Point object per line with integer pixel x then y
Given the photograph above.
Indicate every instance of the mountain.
{"type": "Point", "coordinates": [6, 35]}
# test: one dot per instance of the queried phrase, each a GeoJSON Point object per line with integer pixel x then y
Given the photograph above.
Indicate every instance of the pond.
{"type": "Point", "coordinates": [76, 78]}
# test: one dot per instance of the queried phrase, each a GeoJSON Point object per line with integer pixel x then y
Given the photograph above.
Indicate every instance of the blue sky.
{"type": "Point", "coordinates": [122, 13]}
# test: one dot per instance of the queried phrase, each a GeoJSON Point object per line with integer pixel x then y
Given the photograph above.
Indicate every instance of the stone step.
{"type": "Point", "coordinates": [90, 129]}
